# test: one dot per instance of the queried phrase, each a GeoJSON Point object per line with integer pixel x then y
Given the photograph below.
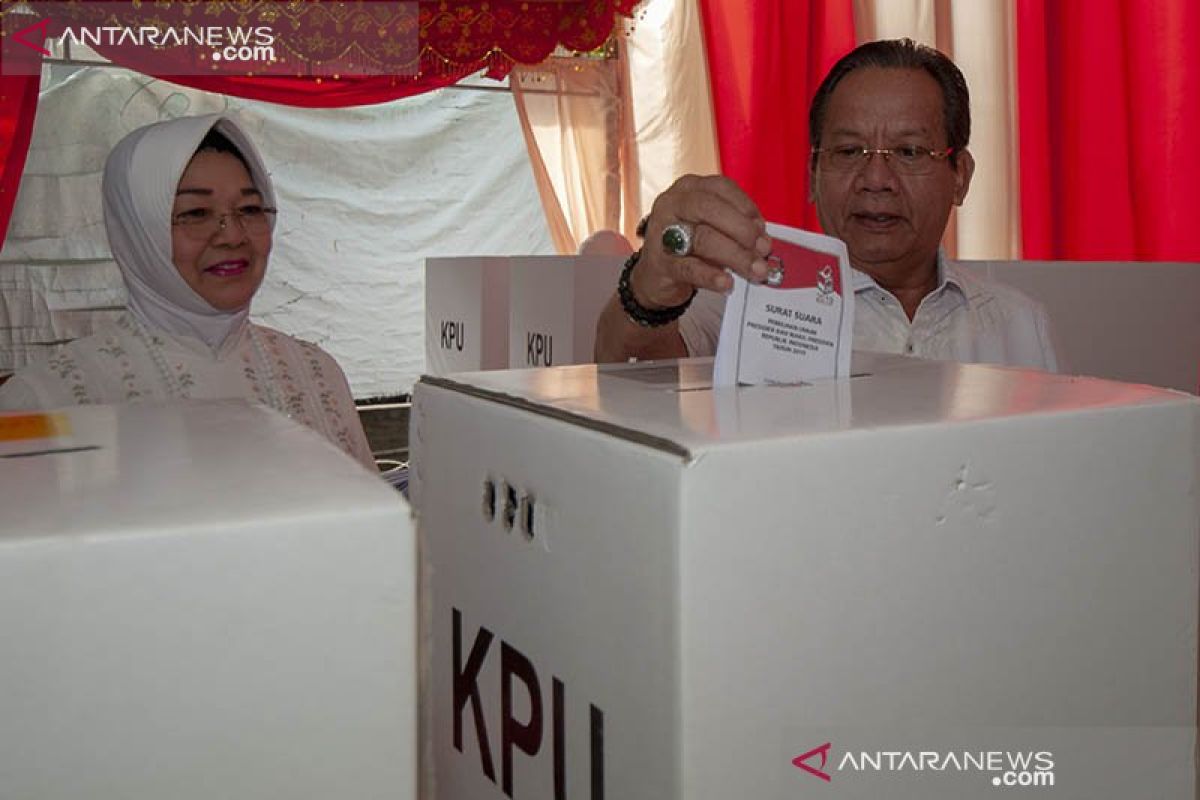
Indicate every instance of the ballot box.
{"type": "Point", "coordinates": [930, 580]}
{"type": "Point", "coordinates": [201, 600]}
{"type": "Point", "coordinates": [484, 313]}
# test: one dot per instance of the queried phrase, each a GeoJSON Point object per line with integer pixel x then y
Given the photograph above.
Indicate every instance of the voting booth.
{"type": "Point", "coordinates": [1129, 321]}
{"type": "Point", "coordinates": [486, 313]}
{"type": "Point", "coordinates": [466, 314]}
{"type": "Point", "coordinates": [931, 580]}
{"type": "Point", "coordinates": [200, 600]}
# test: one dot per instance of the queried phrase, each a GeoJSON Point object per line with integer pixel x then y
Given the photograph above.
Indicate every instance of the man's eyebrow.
{"type": "Point", "coordinates": [913, 132]}
{"type": "Point", "coordinates": [900, 133]}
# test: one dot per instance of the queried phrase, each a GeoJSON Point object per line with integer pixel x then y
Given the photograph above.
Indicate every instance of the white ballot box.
{"type": "Point", "coordinates": [200, 600]}
{"type": "Point", "coordinates": [929, 581]}
{"type": "Point", "coordinates": [555, 302]}
{"type": "Point", "coordinates": [485, 313]}
{"type": "Point", "coordinates": [466, 314]}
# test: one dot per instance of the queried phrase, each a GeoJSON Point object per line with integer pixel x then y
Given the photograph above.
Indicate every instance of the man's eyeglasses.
{"type": "Point", "coordinates": [204, 223]}
{"type": "Point", "coordinates": [904, 160]}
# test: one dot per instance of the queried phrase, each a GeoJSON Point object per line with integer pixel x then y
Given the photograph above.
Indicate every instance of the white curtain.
{"type": "Point", "coordinates": [667, 105]}
{"type": "Point", "coordinates": [672, 99]}
{"type": "Point", "coordinates": [576, 118]}
{"type": "Point", "coordinates": [366, 194]}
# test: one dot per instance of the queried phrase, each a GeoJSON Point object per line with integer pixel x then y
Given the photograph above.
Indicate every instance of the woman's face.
{"type": "Point", "coordinates": [222, 256]}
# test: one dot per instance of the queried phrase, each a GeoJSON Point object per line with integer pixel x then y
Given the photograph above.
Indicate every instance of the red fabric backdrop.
{"type": "Point", "coordinates": [1109, 107]}
{"type": "Point", "coordinates": [18, 104]}
{"type": "Point", "coordinates": [765, 60]}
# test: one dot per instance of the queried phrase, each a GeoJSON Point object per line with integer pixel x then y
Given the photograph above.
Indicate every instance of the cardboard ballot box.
{"type": "Point", "coordinates": [929, 581]}
{"type": "Point", "coordinates": [200, 600]}
{"type": "Point", "coordinates": [530, 311]}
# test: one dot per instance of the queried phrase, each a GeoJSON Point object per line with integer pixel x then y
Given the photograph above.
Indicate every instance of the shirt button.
{"type": "Point", "coordinates": [908, 348]}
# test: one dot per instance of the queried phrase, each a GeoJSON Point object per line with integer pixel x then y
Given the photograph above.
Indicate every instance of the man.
{"type": "Point", "coordinates": [888, 128]}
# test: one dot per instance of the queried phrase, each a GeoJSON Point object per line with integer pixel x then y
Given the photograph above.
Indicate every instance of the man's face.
{"type": "Point", "coordinates": [891, 224]}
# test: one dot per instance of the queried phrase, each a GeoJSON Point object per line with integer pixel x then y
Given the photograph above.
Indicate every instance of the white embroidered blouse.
{"type": "Point", "coordinates": [124, 362]}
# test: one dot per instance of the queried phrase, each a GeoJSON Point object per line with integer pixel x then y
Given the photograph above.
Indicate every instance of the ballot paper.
{"type": "Point", "coordinates": [798, 326]}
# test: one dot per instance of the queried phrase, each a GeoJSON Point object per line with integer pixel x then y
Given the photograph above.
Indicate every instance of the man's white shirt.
{"type": "Point", "coordinates": [966, 318]}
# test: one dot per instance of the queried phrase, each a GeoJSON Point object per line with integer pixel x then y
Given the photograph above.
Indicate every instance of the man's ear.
{"type": "Point", "coordinates": [812, 179]}
{"type": "Point", "coordinates": [964, 168]}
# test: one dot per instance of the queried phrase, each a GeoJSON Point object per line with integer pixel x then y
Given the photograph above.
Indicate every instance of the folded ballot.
{"type": "Point", "coordinates": [796, 327]}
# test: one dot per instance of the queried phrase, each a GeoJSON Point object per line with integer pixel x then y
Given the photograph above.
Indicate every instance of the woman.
{"type": "Point", "coordinates": [189, 210]}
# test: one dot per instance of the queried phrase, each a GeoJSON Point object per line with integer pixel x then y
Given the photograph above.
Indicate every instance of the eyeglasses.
{"type": "Point", "coordinates": [202, 224]}
{"type": "Point", "coordinates": [904, 160]}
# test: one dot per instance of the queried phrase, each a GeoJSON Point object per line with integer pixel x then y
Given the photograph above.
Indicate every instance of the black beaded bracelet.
{"type": "Point", "coordinates": [646, 317]}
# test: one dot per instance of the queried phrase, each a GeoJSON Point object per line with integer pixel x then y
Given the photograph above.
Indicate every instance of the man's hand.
{"type": "Point", "coordinates": [727, 232]}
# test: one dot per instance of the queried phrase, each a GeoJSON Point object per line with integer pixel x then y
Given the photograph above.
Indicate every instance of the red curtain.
{"type": "Point", "coordinates": [766, 59]}
{"type": "Point", "coordinates": [19, 83]}
{"type": "Point", "coordinates": [450, 39]}
{"type": "Point", "coordinates": [18, 105]}
{"type": "Point", "coordinates": [1109, 108]}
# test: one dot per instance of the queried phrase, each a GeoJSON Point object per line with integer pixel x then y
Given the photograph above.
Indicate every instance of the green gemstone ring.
{"type": "Point", "coordinates": [677, 239]}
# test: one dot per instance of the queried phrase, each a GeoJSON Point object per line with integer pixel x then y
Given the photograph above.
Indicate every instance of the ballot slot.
{"type": "Point", "coordinates": [528, 515]}
{"type": "Point", "coordinates": [509, 516]}
{"type": "Point", "coordinates": [516, 507]}
{"type": "Point", "coordinates": [489, 500]}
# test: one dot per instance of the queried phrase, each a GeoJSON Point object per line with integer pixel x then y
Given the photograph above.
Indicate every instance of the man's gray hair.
{"type": "Point", "coordinates": [901, 54]}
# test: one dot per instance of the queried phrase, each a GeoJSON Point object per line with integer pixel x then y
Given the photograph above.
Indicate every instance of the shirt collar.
{"type": "Point", "coordinates": [947, 276]}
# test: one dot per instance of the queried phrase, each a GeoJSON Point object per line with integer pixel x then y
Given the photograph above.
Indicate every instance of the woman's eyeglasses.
{"type": "Point", "coordinates": [204, 223]}
{"type": "Point", "coordinates": [904, 160]}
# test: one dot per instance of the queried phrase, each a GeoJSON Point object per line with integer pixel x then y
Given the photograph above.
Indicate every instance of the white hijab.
{"type": "Point", "coordinates": [140, 179]}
